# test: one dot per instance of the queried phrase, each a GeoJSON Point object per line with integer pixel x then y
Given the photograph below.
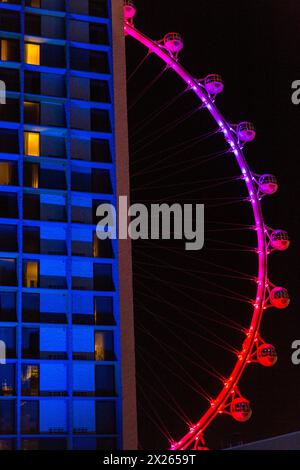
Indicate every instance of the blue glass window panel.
{"type": "Point", "coordinates": [53, 415]}
{"type": "Point", "coordinates": [84, 377]}
{"type": "Point", "coordinates": [53, 339]}
{"type": "Point", "coordinates": [81, 201]}
{"type": "Point", "coordinates": [7, 301]}
{"type": "Point", "coordinates": [79, 7]}
{"type": "Point", "coordinates": [8, 335]}
{"type": "Point", "coordinates": [83, 339]}
{"type": "Point", "coordinates": [82, 303]}
{"type": "Point", "coordinates": [50, 232]}
{"type": "Point", "coordinates": [52, 267]}
{"type": "Point", "coordinates": [53, 377]}
{"type": "Point", "coordinates": [105, 379]}
{"type": "Point", "coordinates": [82, 268]}
{"type": "Point", "coordinates": [84, 415]}
{"type": "Point", "coordinates": [82, 234]}
{"type": "Point", "coordinates": [56, 303]}
{"type": "Point", "coordinates": [53, 199]}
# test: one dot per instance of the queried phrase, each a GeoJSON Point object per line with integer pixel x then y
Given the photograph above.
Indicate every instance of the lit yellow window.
{"type": "Point", "coordinates": [5, 173]}
{"type": "Point", "coordinates": [99, 346]}
{"type": "Point", "coordinates": [32, 144]}
{"type": "Point", "coordinates": [31, 274]}
{"type": "Point", "coordinates": [4, 49]}
{"type": "Point", "coordinates": [32, 53]}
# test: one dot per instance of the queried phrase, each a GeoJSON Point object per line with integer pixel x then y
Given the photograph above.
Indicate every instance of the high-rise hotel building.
{"type": "Point", "coordinates": [65, 296]}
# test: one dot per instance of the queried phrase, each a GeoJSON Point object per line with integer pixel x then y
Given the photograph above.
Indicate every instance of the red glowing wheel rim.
{"type": "Point", "coordinates": [229, 393]}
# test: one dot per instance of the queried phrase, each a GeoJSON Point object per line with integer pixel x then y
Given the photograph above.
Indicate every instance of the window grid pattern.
{"type": "Point", "coordinates": [59, 298]}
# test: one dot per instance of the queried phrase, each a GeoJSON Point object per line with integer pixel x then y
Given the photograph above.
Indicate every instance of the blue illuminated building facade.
{"type": "Point", "coordinates": [61, 386]}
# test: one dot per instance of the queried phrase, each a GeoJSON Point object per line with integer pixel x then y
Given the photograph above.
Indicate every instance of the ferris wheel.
{"type": "Point", "coordinates": [229, 400]}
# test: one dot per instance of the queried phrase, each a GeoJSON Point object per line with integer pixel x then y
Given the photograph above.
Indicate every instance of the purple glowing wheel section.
{"type": "Point", "coordinates": [229, 400]}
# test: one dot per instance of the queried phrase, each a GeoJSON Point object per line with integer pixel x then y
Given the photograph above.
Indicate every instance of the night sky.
{"type": "Point", "coordinates": [179, 302]}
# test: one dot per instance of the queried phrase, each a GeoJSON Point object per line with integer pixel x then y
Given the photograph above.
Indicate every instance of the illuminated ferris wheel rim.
{"type": "Point", "coordinates": [267, 295]}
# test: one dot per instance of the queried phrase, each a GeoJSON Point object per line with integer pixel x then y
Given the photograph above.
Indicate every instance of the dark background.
{"type": "Point", "coordinates": [255, 47]}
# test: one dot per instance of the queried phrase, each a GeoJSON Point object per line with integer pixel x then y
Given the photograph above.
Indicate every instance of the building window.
{"type": "Point", "coordinates": [9, 50]}
{"type": "Point", "coordinates": [35, 176]}
{"type": "Point", "coordinates": [53, 416]}
{"type": "Point", "coordinates": [4, 50]}
{"type": "Point", "coordinates": [9, 205]}
{"type": "Point", "coordinates": [31, 239]}
{"type": "Point", "coordinates": [99, 90]}
{"type": "Point", "coordinates": [32, 53]}
{"type": "Point", "coordinates": [8, 273]}
{"type": "Point", "coordinates": [31, 206]}
{"type": "Point", "coordinates": [10, 21]}
{"type": "Point", "coordinates": [104, 380]}
{"type": "Point", "coordinates": [33, 24]}
{"type": "Point", "coordinates": [30, 380]}
{"type": "Point", "coordinates": [10, 111]}
{"type": "Point", "coordinates": [53, 208]}
{"type": "Point", "coordinates": [105, 417]}
{"type": "Point", "coordinates": [7, 380]}
{"type": "Point", "coordinates": [7, 444]}
{"type": "Point", "coordinates": [104, 346]}
{"type": "Point", "coordinates": [5, 173]}
{"type": "Point", "coordinates": [31, 308]}
{"type": "Point", "coordinates": [53, 379]}
{"type": "Point", "coordinates": [33, 3]}
{"type": "Point", "coordinates": [103, 277]}
{"type": "Point", "coordinates": [8, 335]}
{"type": "Point", "coordinates": [8, 173]}
{"type": "Point", "coordinates": [31, 175]}
{"type": "Point", "coordinates": [9, 141]}
{"type": "Point", "coordinates": [89, 61]}
{"type": "Point", "coordinates": [31, 274]}
{"type": "Point", "coordinates": [84, 416]}
{"type": "Point", "coordinates": [102, 248]}
{"type": "Point", "coordinates": [99, 346]}
{"type": "Point", "coordinates": [30, 343]}
{"type": "Point", "coordinates": [30, 444]}
{"type": "Point", "coordinates": [98, 8]}
{"type": "Point", "coordinates": [30, 417]}
{"type": "Point", "coordinates": [31, 112]}
{"type": "Point", "coordinates": [8, 310]}
{"type": "Point", "coordinates": [98, 33]}
{"type": "Point", "coordinates": [32, 144]}
{"type": "Point", "coordinates": [32, 82]}
{"type": "Point", "coordinates": [53, 343]}
{"type": "Point", "coordinates": [52, 179]}
{"type": "Point", "coordinates": [7, 416]}
{"type": "Point", "coordinates": [8, 238]}
{"type": "Point", "coordinates": [16, 2]}
{"type": "Point", "coordinates": [104, 310]}
{"type": "Point", "coordinates": [101, 151]}
{"type": "Point", "coordinates": [48, 443]}
{"type": "Point", "coordinates": [11, 79]}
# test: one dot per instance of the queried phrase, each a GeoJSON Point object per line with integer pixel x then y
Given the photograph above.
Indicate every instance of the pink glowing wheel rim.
{"type": "Point", "coordinates": [254, 349]}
